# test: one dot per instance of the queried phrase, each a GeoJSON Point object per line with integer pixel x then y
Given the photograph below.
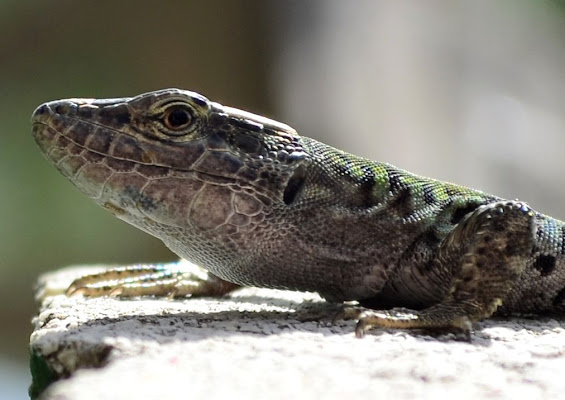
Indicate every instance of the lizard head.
{"type": "Point", "coordinates": [172, 158]}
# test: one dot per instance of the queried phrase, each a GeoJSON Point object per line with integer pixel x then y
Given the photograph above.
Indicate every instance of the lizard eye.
{"type": "Point", "coordinates": [177, 118]}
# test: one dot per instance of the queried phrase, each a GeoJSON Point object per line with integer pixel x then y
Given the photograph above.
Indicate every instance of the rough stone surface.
{"type": "Point", "coordinates": [260, 343]}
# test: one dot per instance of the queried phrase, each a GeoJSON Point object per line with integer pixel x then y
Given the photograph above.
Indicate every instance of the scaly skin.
{"type": "Point", "coordinates": [254, 203]}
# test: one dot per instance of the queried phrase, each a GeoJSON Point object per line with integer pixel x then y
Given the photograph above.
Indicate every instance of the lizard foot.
{"type": "Point", "coordinates": [434, 319]}
{"type": "Point", "coordinates": [170, 280]}
{"type": "Point", "coordinates": [402, 318]}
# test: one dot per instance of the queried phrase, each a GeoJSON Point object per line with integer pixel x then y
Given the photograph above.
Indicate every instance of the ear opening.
{"type": "Point", "coordinates": [294, 186]}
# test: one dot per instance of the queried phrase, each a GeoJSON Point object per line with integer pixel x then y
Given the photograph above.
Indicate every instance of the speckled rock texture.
{"type": "Point", "coordinates": [259, 343]}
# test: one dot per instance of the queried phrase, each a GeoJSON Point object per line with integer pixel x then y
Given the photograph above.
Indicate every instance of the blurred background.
{"type": "Point", "coordinates": [471, 92]}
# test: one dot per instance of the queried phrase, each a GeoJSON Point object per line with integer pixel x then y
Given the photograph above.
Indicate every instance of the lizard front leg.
{"type": "Point", "coordinates": [484, 254]}
{"type": "Point", "coordinates": [170, 280]}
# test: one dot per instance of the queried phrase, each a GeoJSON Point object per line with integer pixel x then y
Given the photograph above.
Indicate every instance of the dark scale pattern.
{"type": "Point", "coordinates": [395, 180]}
{"type": "Point", "coordinates": [254, 203]}
{"type": "Point", "coordinates": [429, 194]}
{"type": "Point", "coordinates": [367, 186]}
{"type": "Point", "coordinates": [545, 264]}
{"type": "Point", "coordinates": [460, 212]}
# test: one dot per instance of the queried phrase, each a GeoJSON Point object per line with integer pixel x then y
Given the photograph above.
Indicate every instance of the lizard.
{"type": "Point", "coordinates": [253, 203]}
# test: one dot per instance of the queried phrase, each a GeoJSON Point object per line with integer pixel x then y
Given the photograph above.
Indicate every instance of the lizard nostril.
{"type": "Point", "coordinates": [65, 108]}
{"type": "Point", "coordinates": [40, 113]}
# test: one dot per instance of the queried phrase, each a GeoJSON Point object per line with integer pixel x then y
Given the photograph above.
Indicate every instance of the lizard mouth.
{"type": "Point", "coordinates": [71, 157]}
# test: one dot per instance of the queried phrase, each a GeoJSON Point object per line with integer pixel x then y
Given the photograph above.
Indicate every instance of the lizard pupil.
{"type": "Point", "coordinates": [177, 118]}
